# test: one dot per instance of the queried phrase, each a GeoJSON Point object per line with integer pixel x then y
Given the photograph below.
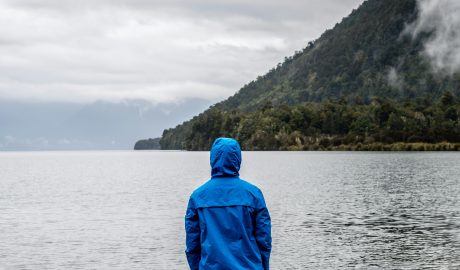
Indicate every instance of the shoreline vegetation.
{"type": "Point", "coordinates": [380, 147]}
{"type": "Point", "coordinates": [372, 147]}
{"type": "Point", "coordinates": [425, 124]}
{"type": "Point", "coordinates": [382, 125]}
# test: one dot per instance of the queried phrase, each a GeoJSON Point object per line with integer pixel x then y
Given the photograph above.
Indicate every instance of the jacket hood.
{"type": "Point", "coordinates": [225, 157]}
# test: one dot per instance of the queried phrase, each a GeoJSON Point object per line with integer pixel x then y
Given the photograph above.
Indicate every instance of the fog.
{"type": "Point", "coordinates": [442, 19]}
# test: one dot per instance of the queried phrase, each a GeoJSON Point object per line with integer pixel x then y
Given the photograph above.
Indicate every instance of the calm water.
{"type": "Point", "coordinates": [124, 210]}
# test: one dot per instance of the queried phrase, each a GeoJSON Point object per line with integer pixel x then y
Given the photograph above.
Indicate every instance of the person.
{"type": "Point", "coordinates": [227, 223]}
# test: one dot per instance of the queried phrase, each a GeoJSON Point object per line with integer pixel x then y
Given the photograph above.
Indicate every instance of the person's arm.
{"type": "Point", "coordinates": [192, 230]}
{"type": "Point", "coordinates": [263, 232]}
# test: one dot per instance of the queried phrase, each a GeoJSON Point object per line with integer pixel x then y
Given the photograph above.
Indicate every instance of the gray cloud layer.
{"type": "Point", "coordinates": [442, 18]}
{"type": "Point", "coordinates": [161, 51]}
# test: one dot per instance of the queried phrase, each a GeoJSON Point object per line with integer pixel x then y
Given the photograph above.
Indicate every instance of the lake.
{"type": "Point", "coordinates": [330, 210]}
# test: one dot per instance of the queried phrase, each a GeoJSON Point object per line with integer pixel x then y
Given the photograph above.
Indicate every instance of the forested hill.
{"type": "Point", "coordinates": [352, 60]}
{"type": "Point", "coordinates": [363, 82]}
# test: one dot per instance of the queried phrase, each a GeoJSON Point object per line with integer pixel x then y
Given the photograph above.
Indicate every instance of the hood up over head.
{"type": "Point", "coordinates": [225, 158]}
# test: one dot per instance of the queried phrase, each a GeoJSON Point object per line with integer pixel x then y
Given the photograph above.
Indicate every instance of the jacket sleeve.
{"type": "Point", "coordinates": [192, 230]}
{"type": "Point", "coordinates": [263, 232]}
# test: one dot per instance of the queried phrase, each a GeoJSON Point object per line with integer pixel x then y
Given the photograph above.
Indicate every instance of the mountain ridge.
{"type": "Point", "coordinates": [366, 59]}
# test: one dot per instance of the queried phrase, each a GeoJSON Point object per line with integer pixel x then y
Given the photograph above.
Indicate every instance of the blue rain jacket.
{"type": "Point", "coordinates": [227, 222]}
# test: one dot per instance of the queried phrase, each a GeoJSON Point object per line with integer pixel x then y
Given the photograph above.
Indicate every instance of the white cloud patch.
{"type": "Point", "coordinates": [441, 18]}
{"type": "Point", "coordinates": [394, 80]}
{"type": "Point", "coordinates": [88, 50]}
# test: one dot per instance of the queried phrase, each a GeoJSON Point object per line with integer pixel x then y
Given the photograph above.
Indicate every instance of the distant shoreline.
{"type": "Point", "coordinates": [394, 147]}
{"type": "Point", "coordinates": [374, 147]}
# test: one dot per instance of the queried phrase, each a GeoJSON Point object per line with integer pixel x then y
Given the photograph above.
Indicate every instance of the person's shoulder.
{"type": "Point", "coordinates": [256, 194]}
{"type": "Point", "coordinates": [201, 189]}
{"type": "Point", "coordinates": [250, 186]}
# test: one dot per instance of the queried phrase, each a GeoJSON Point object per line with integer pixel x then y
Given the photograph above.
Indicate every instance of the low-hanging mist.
{"type": "Point", "coordinates": [440, 19]}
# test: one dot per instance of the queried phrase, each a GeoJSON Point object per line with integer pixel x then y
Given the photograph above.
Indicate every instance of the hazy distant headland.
{"type": "Point", "coordinates": [373, 82]}
{"type": "Point", "coordinates": [148, 144]}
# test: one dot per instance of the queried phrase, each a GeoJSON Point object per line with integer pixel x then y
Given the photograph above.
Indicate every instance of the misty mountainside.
{"type": "Point", "coordinates": [367, 81]}
{"type": "Point", "coordinates": [98, 125]}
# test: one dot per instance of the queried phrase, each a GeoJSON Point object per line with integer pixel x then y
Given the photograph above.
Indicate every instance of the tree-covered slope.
{"type": "Point", "coordinates": [365, 55]}
{"type": "Point", "coordinates": [366, 62]}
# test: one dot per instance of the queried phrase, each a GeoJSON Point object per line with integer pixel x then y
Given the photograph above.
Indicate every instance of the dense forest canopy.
{"type": "Point", "coordinates": [364, 82]}
{"type": "Point", "coordinates": [329, 125]}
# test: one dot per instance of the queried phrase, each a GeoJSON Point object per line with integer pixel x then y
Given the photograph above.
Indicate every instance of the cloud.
{"type": "Point", "coordinates": [441, 19]}
{"type": "Point", "coordinates": [161, 51]}
{"type": "Point", "coordinates": [394, 80]}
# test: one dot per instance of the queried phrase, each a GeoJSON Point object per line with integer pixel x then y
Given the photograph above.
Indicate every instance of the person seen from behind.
{"type": "Point", "coordinates": [227, 223]}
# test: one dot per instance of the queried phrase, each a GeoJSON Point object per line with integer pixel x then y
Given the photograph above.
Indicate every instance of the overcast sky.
{"type": "Point", "coordinates": [160, 51]}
